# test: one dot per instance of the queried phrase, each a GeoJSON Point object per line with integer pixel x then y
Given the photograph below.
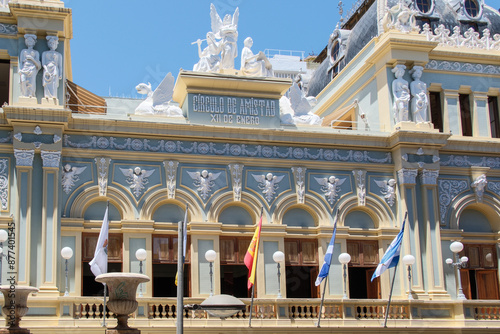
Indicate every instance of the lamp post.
{"type": "Point", "coordinates": [66, 253]}
{"type": "Point", "coordinates": [345, 258]}
{"type": "Point", "coordinates": [409, 260]}
{"type": "Point", "coordinates": [278, 257]}
{"type": "Point", "coordinates": [141, 255]}
{"type": "Point", "coordinates": [456, 247]}
{"type": "Point", "coordinates": [210, 256]}
{"type": "Point", "coordinates": [3, 237]}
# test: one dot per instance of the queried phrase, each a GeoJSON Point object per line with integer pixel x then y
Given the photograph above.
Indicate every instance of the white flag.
{"type": "Point", "coordinates": [99, 264]}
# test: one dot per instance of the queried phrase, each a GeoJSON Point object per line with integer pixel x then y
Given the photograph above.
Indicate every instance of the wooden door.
{"type": "Point", "coordinates": [464, 276]}
{"type": "Point", "coordinates": [372, 288]}
{"type": "Point", "coordinates": [487, 287]}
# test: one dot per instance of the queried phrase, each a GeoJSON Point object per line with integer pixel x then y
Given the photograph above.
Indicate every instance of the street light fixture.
{"type": "Point", "coordinates": [141, 255]}
{"type": "Point", "coordinates": [456, 247]}
{"type": "Point", "coordinates": [66, 253]}
{"type": "Point", "coordinates": [345, 258]}
{"type": "Point", "coordinates": [210, 256]}
{"type": "Point", "coordinates": [409, 260]}
{"type": "Point", "coordinates": [278, 257]}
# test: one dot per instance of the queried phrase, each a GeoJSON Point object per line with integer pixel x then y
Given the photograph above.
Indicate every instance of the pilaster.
{"type": "Point", "coordinates": [451, 113]}
{"type": "Point", "coordinates": [480, 115]}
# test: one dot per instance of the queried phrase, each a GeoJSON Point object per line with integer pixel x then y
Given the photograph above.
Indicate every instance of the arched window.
{"type": "Point", "coordinates": [359, 219]}
{"type": "Point", "coordinates": [169, 213]}
{"type": "Point", "coordinates": [474, 221]}
{"type": "Point", "coordinates": [424, 6]}
{"type": "Point", "coordinates": [335, 51]}
{"type": "Point", "coordinates": [298, 217]}
{"type": "Point", "coordinates": [236, 215]}
{"type": "Point", "coordinates": [471, 8]}
{"type": "Point", "coordinates": [96, 212]}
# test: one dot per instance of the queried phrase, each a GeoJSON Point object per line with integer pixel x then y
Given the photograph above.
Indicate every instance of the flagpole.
{"type": "Point", "coordinates": [105, 286]}
{"type": "Point", "coordinates": [180, 280]}
{"type": "Point", "coordinates": [390, 295]}
{"type": "Point", "coordinates": [322, 299]}
{"type": "Point", "coordinates": [255, 279]}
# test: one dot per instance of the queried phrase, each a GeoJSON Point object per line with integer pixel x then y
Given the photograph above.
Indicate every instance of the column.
{"type": "Point", "coordinates": [24, 174]}
{"type": "Point", "coordinates": [411, 242]}
{"type": "Point", "coordinates": [431, 240]}
{"type": "Point", "coordinates": [451, 113]}
{"type": "Point", "coordinates": [480, 115]}
{"type": "Point", "coordinates": [51, 161]}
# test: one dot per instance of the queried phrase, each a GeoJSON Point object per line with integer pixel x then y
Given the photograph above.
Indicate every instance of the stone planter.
{"type": "Point", "coordinates": [16, 298]}
{"type": "Point", "coordinates": [122, 288]}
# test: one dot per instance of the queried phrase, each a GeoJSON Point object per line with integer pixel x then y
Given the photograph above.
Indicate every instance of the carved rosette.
{"type": "Point", "coordinates": [299, 174]}
{"type": "Point", "coordinates": [102, 164]}
{"type": "Point", "coordinates": [429, 177]}
{"type": "Point", "coordinates": [236, 170]}
{"type": "Point", "coordinates": [171, 173]}
{"type": "Point", "coordinates": [448, 190]}
{"type": "Point", "coordinates": [407, 176]}
{"type": "Point", "coordinates": [51, 159]}
{"type": "Point", "coordinates": [24, 158]}
{"type": "Point", "coordinates": [4, 183]}
{"type": "Point", "coordinates": [360, 179]}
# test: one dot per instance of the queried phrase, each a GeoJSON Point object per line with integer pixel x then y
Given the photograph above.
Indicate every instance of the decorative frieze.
{"type": "Point", "coordinates": [388, 190]}
{"type": "Point", "coordinates": [407, 175]}
{"type": "Point", "coordinates": [24, 157]}
{"type": "Point", "coordinates": [479, 185]}
{"type": "Point", "coordinates": [4, 183]}
{"type": "Point", "coordinates": [171, 173]}
{"type": "Point", "coordinates": [236, 171]}
{"type": "Point", "coordinates": [102, 164]}
{"type": "Point", "coordinates": [494, 187]}
{"type": "Point", "coordinates": [429, 176]}
{"type": "Point", "coordinates": [448, 190]}
{"type": "Point", "coordinates": [469, 161]}
{"type": "Point", "coordinates": [268, 183]}
{"type": "Point", "coordinates": [330, 186]}
{"type": "Point", "coordinates": [70, 176]}
{"type": "Point", "coordinates": [455, 66]}
{"type": "Point", "coordinates": [360, 179]}
{"type": "Point", "coordinates": [8, 29]}
{"type": "Point", "coordinates": [299, 174]}
{"type": "Point", "coordinates": [204, 182]}
{"type": "Point", "coordinates": [221, 149]}
{"type": "Point", "coordinates": [51, 159]}
{"type": "Point", "coordinates": [137, 178]}
{"type": "Point", "coordinates": [471, 39]}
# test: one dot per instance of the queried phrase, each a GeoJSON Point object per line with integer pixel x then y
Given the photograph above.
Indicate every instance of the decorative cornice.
{"type": "Point", "coordinates": [471, 39]}
{"type": "Point", "coordinates": [51, 159]}
{"type": "Point", "coordinates": [455, 66]}
{"type": "Point", "coordinates": [24, 158]}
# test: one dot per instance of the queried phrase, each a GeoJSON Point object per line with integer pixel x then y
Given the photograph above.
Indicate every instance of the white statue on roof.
{"type": "Point", "coordinates": [226, 31]}
{"type": "Point", "coordinates": [29, 65]}
{"type": "Point", "coordinates": [160, 101]}
{"type": "Point", "coordinates": [209, 57]}
{"type": "Point", "coordinates": [419, 101]}
{"type": "Point", "coordinates": [254, 65]}
{"type": "Point", "coordinates": [297, 108]}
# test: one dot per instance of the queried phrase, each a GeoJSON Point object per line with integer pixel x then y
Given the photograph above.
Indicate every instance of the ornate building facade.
{"type": "Point", "coordinates": [405, 119]}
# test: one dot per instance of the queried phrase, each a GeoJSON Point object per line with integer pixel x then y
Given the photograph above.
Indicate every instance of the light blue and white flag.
{"type": "Point", "coordinates": [325, 268]}
{"type": "Point", "coordinates": [391, 255]}
{"type": "Point", "coordinates": [99, 264]}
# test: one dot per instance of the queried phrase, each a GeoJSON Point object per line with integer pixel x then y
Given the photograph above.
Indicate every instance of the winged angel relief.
{"type": "Point", "coordinates": [204, 181]}
{"type": "Point", "coordinates": [330, 186]}
{"type": "Point", "coordinates": [137, 178]}
{"type": "Point", "coordinates": [387, 189]}
{"type": "Point", "coordinates": [70, 176]}
{"type": "Point", "coordinates": [269, 183]}
{"type": "Point", "coordinates": [158, 102]}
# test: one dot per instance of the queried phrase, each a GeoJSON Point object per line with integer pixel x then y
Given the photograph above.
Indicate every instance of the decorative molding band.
{"type": "Point", "coordinates": [236, 170]}
{"type": "Point", "coordinates": [407, 176]}
{"type": "Point", "coordinates": [8, 29]}
{"type": "Point", "coordinates": [299, 174]}
{"type": "Point", "coordinates": [219, 149]}
{"type": "Point", "coordinates": [494, 187]}
{"type": "Point", "coordinates": [448, 190]}
{"type": "Point", "coordinates": [171, 173]}
{"type": "Point", "coordinates": [429, 176]}
{"type": "Point", "coordinates": [24, 157]}
{"type": "Point", "coordinates": [466, 161]}
{"type": "Point", "coordinates": [4, 183]}
{"type": "Point", "coordinates": [102, 164]}
{"type": "Point", "coordinates": [471, 39]}
{"type": "Point", "coordinates": [51, 159]}
{"type": "Point", "coordinates": [455, 66]}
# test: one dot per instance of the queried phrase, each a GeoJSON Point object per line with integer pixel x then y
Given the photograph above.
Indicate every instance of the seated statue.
{"type": "Point", "coordinates": [254, 65]}
{"type": "Point", "coordinates": [209, 57]}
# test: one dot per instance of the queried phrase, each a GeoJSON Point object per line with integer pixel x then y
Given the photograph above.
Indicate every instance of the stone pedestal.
{"type": "Point", "coordinates": [122, 289]}
{"type": "Point", "coordinates": [16, 299]}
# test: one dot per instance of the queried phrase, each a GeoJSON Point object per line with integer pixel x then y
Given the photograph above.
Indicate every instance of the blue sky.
{"type": "Point", "coordinates": [119, 44]}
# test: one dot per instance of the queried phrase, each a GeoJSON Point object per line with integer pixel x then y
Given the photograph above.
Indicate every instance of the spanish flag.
{"type": "Point", "coordinates": [252, 252]}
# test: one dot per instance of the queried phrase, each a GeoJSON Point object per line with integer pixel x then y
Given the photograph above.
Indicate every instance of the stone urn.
{"type": "Point", "coordinates": [16, 299]}
{"type": "Point", "coordinates": [122, 288]}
